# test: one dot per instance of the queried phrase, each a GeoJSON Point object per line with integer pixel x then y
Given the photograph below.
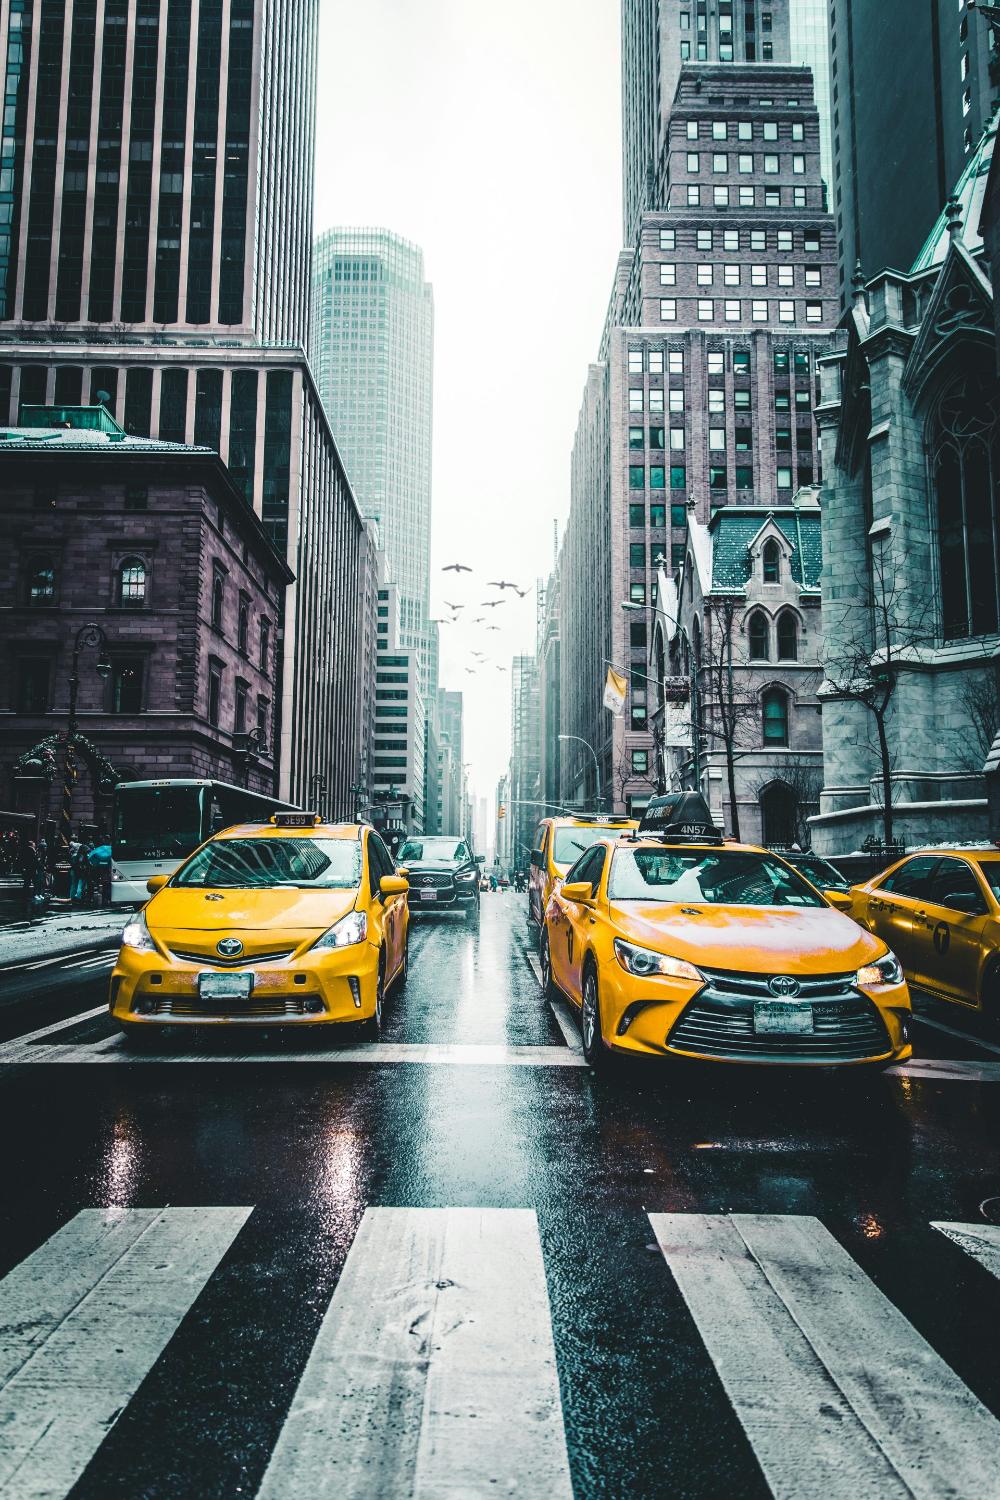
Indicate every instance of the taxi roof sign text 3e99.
{"type": "Point", "coordinates": [295, 820]}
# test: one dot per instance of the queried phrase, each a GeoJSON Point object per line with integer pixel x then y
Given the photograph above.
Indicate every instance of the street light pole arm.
{"type": "Point", "coordinates": [593, 754]}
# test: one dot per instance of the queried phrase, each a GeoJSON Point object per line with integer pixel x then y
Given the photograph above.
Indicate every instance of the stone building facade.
{"type": "Point", "coordinates": [910, 417]}
{"type": "Point", "coordinates": [747, 594]}
{"type": "Point", "coordinates": [152, 543]}
{"type": "Point", "coordinates": [703, 394]}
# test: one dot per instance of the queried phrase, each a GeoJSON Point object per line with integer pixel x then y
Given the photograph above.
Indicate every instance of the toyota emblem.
{"type": "Point", "coordinates": [784, 986]}
{"type": "Point", "coordinates": [229, 947]}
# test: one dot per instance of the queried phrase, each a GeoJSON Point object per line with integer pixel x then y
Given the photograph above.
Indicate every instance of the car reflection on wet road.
{"type": "Point", "coordinates": [455, 1262]}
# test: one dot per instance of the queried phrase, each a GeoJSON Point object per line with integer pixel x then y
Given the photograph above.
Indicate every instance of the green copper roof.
{"type": "Point", "coordinates": [969, 190]}
{"type": "Point", "coordinates": [733, 529]}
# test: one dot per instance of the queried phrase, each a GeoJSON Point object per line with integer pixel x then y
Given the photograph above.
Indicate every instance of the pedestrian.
{"type": "Point", "coordinates": [79, 884]}
{"type": "Point", "coordinates": [99, 864]}
{"type": "Point", "coordinates": [28, 867]}
{"type": "Point", "coordinates": [42, 876]}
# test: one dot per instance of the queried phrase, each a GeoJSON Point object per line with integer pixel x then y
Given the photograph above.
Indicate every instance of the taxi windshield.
{"type": "Point", "coordinates": [255, 863]}
{"type": "Point", "coordinates": [418, 849]}
{"type": "Point", "coordinates": [570, 843]}
{"type": "Point", "coordinates": [990, 871]}
{"type": "Point", "coordinates": [723, 878]}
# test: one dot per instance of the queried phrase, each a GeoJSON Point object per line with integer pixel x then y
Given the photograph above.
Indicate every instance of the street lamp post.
{"type": "Point", "coordinates": [250, 747]}
{"type": "Point", "coordinates": [597, 767]}
{"type": "Point", "coordinates": [90, 635]}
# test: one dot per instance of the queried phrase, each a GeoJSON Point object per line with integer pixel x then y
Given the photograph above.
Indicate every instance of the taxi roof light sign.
{"type": "Point", "coordinates": [680, 816]}
{"type": "Point", "coordinates": [295, 819]}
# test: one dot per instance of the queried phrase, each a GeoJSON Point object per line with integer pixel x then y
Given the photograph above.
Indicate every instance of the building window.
{"type": "Point", "coordinates": [810, 241]}
{"type": "Point", "coordinates": [214, 694]}
{"type": "Point", "coordinates": [775, 714]}
{"type": "Point", "coordinates": [32, 692]}
{"type": "Point", "coordinates": [786, 312]}
{"type": "Point", "coordinates": [814, 312]}
{"type": "Point", "coordinates": [668, 273]}
{"type": "Point", "coordinates": [798, 197]}
{"type": "Point", "coordinates": [693, 161]}
{"type": "Point", "coordinates": [243, 626]}
{"type": "Point", "coordinates": [784, 239]}
{"type": "Point", "coordinates": [636, 438]}
{"type": "Point", "coordinates": [720, 197]}
{"type": "Point", "coordinates": [744, 130]}
{"type": "Point", "coordinates": [637, 593]}
{"type": "Point", "coordinates": [676, 400]}
{"type": "Point", "coordinates": [720, 130]}
{"type": "Point", "coordinates": [635, 361]}
{"type": "Point", "coordinates": [656, 361]}
{"type": "Point", "coordinates": [640, 762]}
{"type": "Point", "coordinates": [786, 275]}
{"type": "Point", "coordinates": [694, 196]}
{"type": "Point", "coordinates": [731, 275]}
{"type": "Point", "coordinates": [677, 439]}
{"type": "Point", "coordinates": [637, 476]}
{"type": "Point", "coordinates": [770, 165]}
{"type": "Point", "coordinates": [240, 714]}
{"type": "Point", "coordinates": [656, 437]}
{"type": "Point", "coordinates": [965, 454]}
{"type": "Point", "coordinates": [41, 588]}
{"type": "Point", "coordinates": [771, 561]}
{"type": "Point", "coordinates": [720, 161]}
{"type": "Point", "coordinates": [788, 636]}
{"type": "Point", "coordinates": [705, 272]}
{"type": "Point", "coordinates": [745, 162]}
{"type": "Point", "coordinates": [126, 685]}
{"type": "Point", "coordinates": [685, 51]}
{"type": "Point", "coordinates": [716, 399]}
{"type": "Point", "coordinates": [784, 479]}
{"type": "Point", "coordinates": [758, 312]}
{"type": "Point", "coordinates": [636, 517]}
{"type": "Point", "coordinates": [668, 239]}
{"type": "Point", "coordinates": [732, 312]}
{"type": "Point", "coordinates": [758, 637]}
{"type": "Point", "coordinates": [716, 362]}
{"type": "Point", "coordinates": [668, 310]}
{"type": "Point", "coordinates": [703, 239]}
{"type": "Point", "coordinates": [741, 361]}
{"type": "Point", "coordinates": [132, 582]}
{"type": "Point", "coordinates": [265, 646]}
{"type": "Point", "coordinates": [675, 362]}
{"type": "Point", "coordinates": [637, 554]}
{"type": "Point", "coordinates": [656, 399]}
{"type": "Point", "coordinates": [798, 130]}
{"type": "Point", "coordinates": [705, 311]}
{"type": "Point", "coordinates": [658, 516]}
{"type": "Point", "coordinates": [813, 276]}
{"type": "Point", "coordinates": [635, 398]}
{"type": "Point", "coordinates": [798, 165]}
{"type": "Point", "coordinates": [692, 129]}
{"type": "Point", "coordinates": [678, 477]}
{"type": "Point", "coordinates": [218, 600]}
{"type": "Point", "coordinates": [744, 477]}
{"type": "Point", "coordinates": [717, 479]}
{"type": "Point", "coordinates": [717, 438]}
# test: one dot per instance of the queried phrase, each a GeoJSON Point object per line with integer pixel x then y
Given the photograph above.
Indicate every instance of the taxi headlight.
{"type": "Point", "coordinates": [644, 962]}
{"type": "Point", "coordinates": [344, 934]}
{"type": "Point", "coordinates": [885, 970]}
{"type": "Point", "coordinates": [136, 936]}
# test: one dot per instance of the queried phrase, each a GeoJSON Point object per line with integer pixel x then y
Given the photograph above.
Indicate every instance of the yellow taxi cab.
{"type": "Point", "coordinates": [292, 922]}
{"type": "Point", "coordinates": [673, 942]}
{"type": "Point", "coordinates": [559, 842]}
{"type": "Point", "coordinates": [940, 911]}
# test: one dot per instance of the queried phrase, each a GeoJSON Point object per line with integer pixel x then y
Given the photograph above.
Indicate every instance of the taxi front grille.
{"type": "Point", "coordinates": [191, 1007]}
{"type": "Point", "coordinates": [729, 984]}
{"type": "Point", "coordinates": [842, 1032]}
{"type": "Point", "coordinates": [243, 961]}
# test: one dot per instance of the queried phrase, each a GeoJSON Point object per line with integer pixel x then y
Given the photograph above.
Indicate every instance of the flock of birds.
{"type": "Point", "coordinates": [503, 584]}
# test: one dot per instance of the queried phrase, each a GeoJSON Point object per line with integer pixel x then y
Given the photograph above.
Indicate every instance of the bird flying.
{"type": "Point", "coordinates": [479, 619]}
{"type": "Point", "coordinates": [493, 627]}
{"type": "Point", "coordinates": [501, 583]}
{"type": "Point", "coordinates": [456, 568]}
{"type": "Point", "coordinates": [519, 592]}
{"type": "Point", "coordinates": [454, 606]}
{"type": "Point", "coordinates": [491, 603]}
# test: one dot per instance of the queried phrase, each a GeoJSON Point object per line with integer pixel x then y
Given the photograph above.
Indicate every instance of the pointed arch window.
{"type": "Point", "coordinates": [42, 581]}
{"type": "Point", "coordinates": [759, 637]}
{"type": "Point", "coordinates": [965, 452]}
{"type": "Point", "coordinates": [132, 582]}
{"type": "Point", "coordinates": [771, 561]}
{"type": "Point", "coordinates": [774, 705]}
{"type": "Point", "coordinates": [788, 636]}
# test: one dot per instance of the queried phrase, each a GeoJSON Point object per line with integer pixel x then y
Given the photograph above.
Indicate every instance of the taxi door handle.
{"type": "Point", "coordinates": [921, 914]}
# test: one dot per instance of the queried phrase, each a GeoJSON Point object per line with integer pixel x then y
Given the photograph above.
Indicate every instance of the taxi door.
{"type": "Point", "coordinates": [391, 908]}
{"type": "Point", "coordinates": [537, 873]}
{"type": "Point", "coordinates": [579, 918]}
{"type": "Point", "coordinates": [949, 937]}
{"type": "Point", "coordinates": [893, 907]}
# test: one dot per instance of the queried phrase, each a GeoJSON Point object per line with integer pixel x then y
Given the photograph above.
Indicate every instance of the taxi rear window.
{"type": "Point", "coordinates": [717, 879]}
{"type": "Point", "coordinates": [253, 863]}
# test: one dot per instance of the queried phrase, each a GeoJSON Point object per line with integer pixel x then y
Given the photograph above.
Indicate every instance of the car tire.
{"type": "Point", "coordinates": [472, 916]}
{"type": "Point", "coordinates": [549, 987]}
{"type": "Point", "coordinates": [595, 1050]}
{"type": "Point", "coordinates": [371, 1030]}
{"type": "Point", "coordinates": [404, 969]}
{"type": "Point", "coordinates": [142, 1038]}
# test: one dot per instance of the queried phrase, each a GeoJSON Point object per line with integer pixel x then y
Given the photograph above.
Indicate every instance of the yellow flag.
{"type": "Point", "coordinates": [615, 689]}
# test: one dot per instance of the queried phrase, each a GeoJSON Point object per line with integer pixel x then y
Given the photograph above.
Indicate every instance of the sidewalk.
{"type": "Point", "coordinates": [61, 932]}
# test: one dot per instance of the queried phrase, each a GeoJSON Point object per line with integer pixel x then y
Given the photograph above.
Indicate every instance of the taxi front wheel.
{"type": "Point", "coordinates": [594, 1049]}
{"type": "Point", "coordinates": [545, 966]}
{"type": "Point", "coordinates": [371, 1030]}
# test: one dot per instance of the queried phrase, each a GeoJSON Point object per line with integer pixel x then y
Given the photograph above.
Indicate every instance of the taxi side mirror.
{"type": "Point", "coordinates": [537, 859]}
{"type": "Point", "coordinates": [393, 885]}
{"type": "Point", "coordinates": [840, 899]}
{"type": "Point", "coordinates": [156, 883]}
{"type": "Point", "coordinates": [578, 890]}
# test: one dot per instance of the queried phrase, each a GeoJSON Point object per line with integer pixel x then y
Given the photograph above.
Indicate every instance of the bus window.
{"type": "Point", "coordinates": [157, 822]}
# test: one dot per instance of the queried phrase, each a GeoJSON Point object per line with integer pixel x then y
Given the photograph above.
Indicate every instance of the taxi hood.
{"type": "Point", "coordinates": [750, 939]}
{"type": "Point", "coordinates": [192, 909]}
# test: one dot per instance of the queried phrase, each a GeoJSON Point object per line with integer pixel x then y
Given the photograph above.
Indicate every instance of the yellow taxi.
{"type": "Point", "coordinates": [671, 941]}
{"type": "Point", "coordinates": [940, 911]}
{"type": "Point", "coordinates": [292, 922]}
{"type": "Point", "coordinates": [559, 842]}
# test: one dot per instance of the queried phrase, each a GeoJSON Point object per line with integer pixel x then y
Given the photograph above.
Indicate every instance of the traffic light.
{"type": "Point", "coordinates": [502, 810]}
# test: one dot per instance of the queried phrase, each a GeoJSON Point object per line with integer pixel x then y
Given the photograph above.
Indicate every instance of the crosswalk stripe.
{"type": "Point", "coordinates": [838, 1393]}
{"type": "Point", "coordinates": [83, 1320]}
{"type": "Point", "coordinates": [955, 1069]}
{"type": "Point", "coordinates": [434, 1371]}
{"type": "Point", "coordinates": [981, 1241]}
{"type": "Point", "coordinates": [113, 1050]}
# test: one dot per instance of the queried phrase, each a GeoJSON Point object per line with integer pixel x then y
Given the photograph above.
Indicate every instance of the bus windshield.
{"type": "Point", "coordinates": [157, 822]}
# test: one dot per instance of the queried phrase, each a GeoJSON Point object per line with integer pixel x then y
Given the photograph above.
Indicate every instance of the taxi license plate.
{"type": "Point", "coordinates": [428, 895]}
{"type": "Point", "coordinates": [780, 1019]}
{"type": "Point", "coordinates": [225, 986]}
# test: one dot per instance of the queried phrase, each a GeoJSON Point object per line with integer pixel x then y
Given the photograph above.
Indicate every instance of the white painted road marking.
{"type": "Point", "coordinates": [981, 1241]}
{"type": "Point", "coordinates": [433, 1373]}
{"type": "Point", "coordinates": [83, 1320]}
{"type": "Point", "coordinates": [955, 1069]}
{"type": "Point", "coordinates": [838, 1393]}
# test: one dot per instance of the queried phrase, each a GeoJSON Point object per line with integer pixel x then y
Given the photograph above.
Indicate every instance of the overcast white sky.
{"type": "Point", "coordinates": [489, 134]}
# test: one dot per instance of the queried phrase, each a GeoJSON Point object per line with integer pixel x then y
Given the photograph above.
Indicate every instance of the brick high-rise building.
{"type": "Point", "coordinates": [703, 391]}
{"type": "Point", "coordinates": [156, 167]}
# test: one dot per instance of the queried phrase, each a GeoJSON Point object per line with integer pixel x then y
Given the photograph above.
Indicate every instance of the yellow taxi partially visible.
{"type": "Point", "coordinates": [671, 941]}
{"type": "Point", "coordinates": [295, 922]}
{"type": "Point", "coordinates": [940, 912]}
{"type": "Point", "coordinates": [559, 842]}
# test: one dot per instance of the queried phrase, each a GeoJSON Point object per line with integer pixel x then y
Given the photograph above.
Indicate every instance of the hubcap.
{"type": "Point", "coordinates": [589, 1013]}
{"type": "Point", "coordinates": [545, 963]}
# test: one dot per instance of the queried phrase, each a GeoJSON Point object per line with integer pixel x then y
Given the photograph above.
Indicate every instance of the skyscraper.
{"type": "Point", "coordinates": [912, 91]}
{"type": "Point", "coordinates": [156, 166]}
{"type": "Point", "coordinates": [658, 40]}
{"type": "Point", "coordinates": [809, 44]}
{"type": "Point", "coordinates": [372, 349]}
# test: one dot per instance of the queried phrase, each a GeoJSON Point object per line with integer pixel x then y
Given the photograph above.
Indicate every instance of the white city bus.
{"type": "Point", "coordinates": [157, 824]}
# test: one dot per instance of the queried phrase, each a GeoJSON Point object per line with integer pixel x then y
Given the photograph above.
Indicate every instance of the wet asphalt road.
{"type": "Point", "coordinates": [645, 1402]}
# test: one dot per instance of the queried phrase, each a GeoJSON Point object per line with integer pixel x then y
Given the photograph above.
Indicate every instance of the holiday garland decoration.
{"type": "Point", "coordinates": [44, 757]}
